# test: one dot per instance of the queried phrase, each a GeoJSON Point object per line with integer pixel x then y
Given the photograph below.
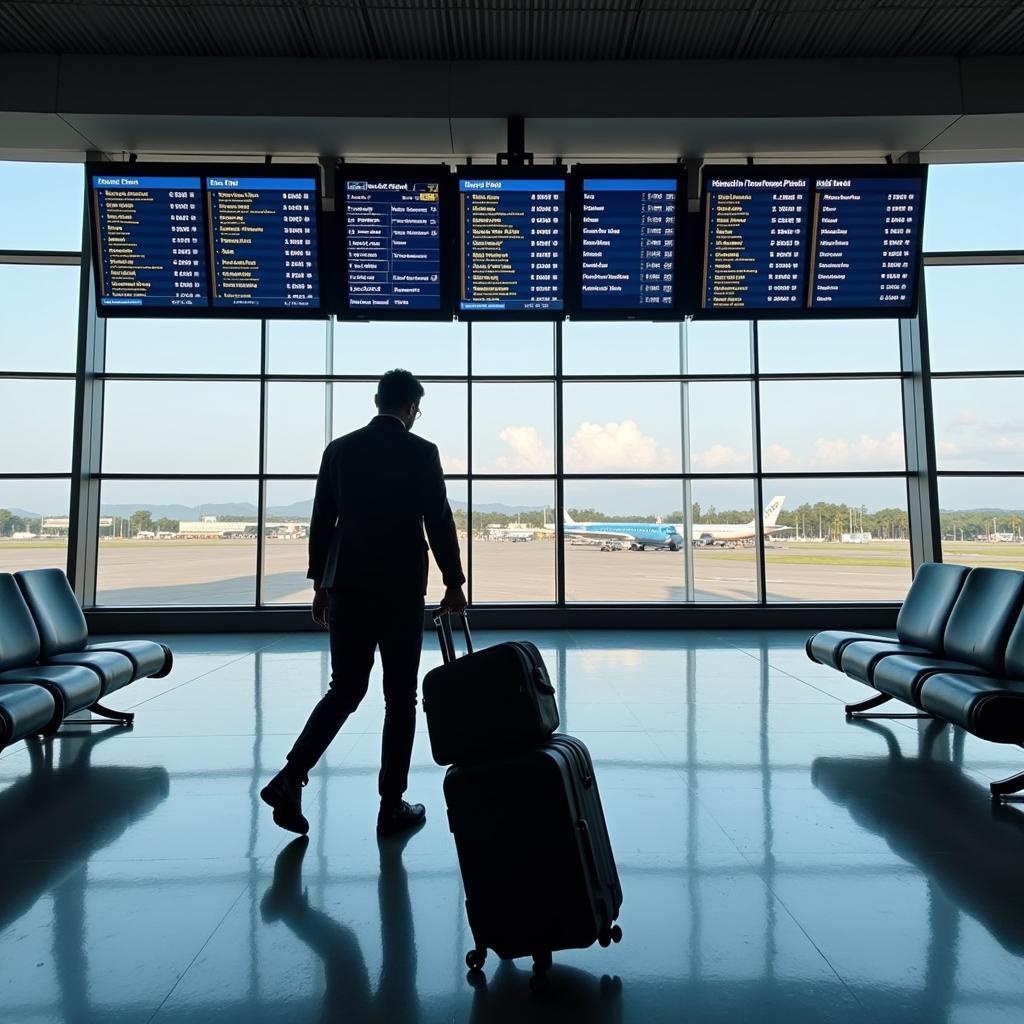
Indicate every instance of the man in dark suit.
{"type": "Point", "coordinates": [378, 488]}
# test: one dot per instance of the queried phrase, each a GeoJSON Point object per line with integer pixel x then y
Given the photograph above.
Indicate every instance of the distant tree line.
{"type": "Point", "coordinates": [11, 524]}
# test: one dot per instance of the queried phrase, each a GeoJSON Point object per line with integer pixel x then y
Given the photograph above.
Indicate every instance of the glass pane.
{"type": "Point", "coordinates": [297, 346]}
{"type": "Point", "coordinates": [296, 415]}
{"type": "Point", "coordinates": [39, 325]}
{"type": "Point", "coordinates": [34, 524]}
{"type": "Point", "coordinates": [286, 542]}
{"type": "Point", "coordinates": [828, 346]}
{"type": "Point", "coordinates": [177, 542]}
{"type": "Point", "coordinates": [622, 428]}
{"type": "Point", "coordinates": [619, 544]}
{"type": "Point", "coordinates": [54, 223]}
{"type": "Point", "coordinates": [513, 428]}
{"type": "Point", "coordinates": [724, 540]}
{"type": "Point", "coordinates": [978, 423]}
{"type": "Point", "coordinates": [832, 425]}
{"type": "Point", "coordinates": [37, 425]}
{"type": "Point", "coordinates": [183, 346]}
{"type": "Point", "coordinates": [982, 521]}
{"type": "Point", "coordinates": [717, 347]}
{"type": "Point", "coordinates": [516, 348]}
{"type": "Point", "coordinates": [974, 318]}
{"type": "Point", "coordinates": [620, 348]}
{"type": "Point", "coordinates": [458, 498]}
{"type": "Point", "coordinates": [513, 541]}
{"type": "Point", "coordinates": [720, 436]}
{"type": "Point", "coordinates": [443, 421]}
{"type": "Point", "coordinates": [437, 349]}
{"type": "Point", "coordinates": [974, 206]}
{"type": "Point", "coordinates": [839, 540]}
{"type": "Point", "coordinates": [181, 427]}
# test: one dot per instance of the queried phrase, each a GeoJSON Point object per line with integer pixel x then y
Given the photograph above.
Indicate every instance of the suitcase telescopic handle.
{"type": "Point", "coordinates": [443, 625]}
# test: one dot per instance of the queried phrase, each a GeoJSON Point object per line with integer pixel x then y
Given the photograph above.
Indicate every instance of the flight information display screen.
{"type": "Point", "coordinates": [865, 240]}
{"type": "Point", "coordinates": [755, 240]}
{"type": "Point", "coordinates": [393, 244]}
{"type": "Point", "coordinates": [263, 233]}
{"type": "Point", "coordinates": [150, 241]}
{"type": "Point", "coordinates": [512, 244]}
{"type": "Point", "coordinates": [627, 243]}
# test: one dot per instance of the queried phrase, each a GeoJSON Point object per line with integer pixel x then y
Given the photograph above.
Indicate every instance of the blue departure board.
{"type": "Point", "coordinates": [150, 241]}
{"type": "Point", "coordinates": [512, 254]}
{"type": "Point", "coordinates": [865, 239]}
{"type": "Point", "coordinates": [263, 233]}
{"type": "Point", "coordinates": [627, 243]}
{"type": "Point", "coordinates": [393, 244]}
{"type": "Point", "coordinates": [755, 241]}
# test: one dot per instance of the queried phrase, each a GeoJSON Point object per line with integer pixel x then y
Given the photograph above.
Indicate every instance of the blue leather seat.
{"type": "Point", "coordinates": [25, 710]}
{"type": "Point", "coordinates": [64, 634]}
{"type": "Point", "coordinates": [920, 623]}
{"type": "Point", "coordinates": [70, 687]}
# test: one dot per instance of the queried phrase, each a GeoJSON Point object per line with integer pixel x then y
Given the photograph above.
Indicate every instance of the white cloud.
{"type": "Point", "coordinates": [607, 447]}
{"type": "Point", "coordinates": [721, 457]}
{"type": "Point", "coordinates": [529, 453]}
{"type": "Point", "coordinates": [452, 465]}
{"type": "Point", "coordinates": [839, 453]}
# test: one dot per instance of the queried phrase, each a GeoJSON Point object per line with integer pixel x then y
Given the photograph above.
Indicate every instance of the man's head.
{"type": "Point", "coordinates": [399, 394]}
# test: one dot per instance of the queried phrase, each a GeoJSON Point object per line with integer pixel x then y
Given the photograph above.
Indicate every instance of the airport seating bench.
{"type": "Point", "coordinates": [958, 656]}
{"type": "Point", "coordinates": [48, 668]}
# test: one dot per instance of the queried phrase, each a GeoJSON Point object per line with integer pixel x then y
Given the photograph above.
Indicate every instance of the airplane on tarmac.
{"type": "Point", "coordinates": [639, 536]}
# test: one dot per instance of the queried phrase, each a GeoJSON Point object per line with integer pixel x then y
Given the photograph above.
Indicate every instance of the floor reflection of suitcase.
{"type": "Point", "coordinates": [533, 847]}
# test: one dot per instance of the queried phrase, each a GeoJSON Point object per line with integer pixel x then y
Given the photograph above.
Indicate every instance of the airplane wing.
{"type": "Point", "coordinates": [600, 536]}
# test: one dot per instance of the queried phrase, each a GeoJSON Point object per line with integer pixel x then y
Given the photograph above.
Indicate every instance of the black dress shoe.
{"type": "Point", "coordinates": [402, 818]}
{"type": "Point", "coordinates": [284, 795]}
{"type": "Point", "coordinates": [285, 895]}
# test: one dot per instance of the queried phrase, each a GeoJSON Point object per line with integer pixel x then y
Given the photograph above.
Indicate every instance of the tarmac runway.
{"type": "Point", "coordinates": [180, 573]}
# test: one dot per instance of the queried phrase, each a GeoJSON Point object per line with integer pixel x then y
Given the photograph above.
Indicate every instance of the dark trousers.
{"type": "Point", "coordinates": [360, 623]}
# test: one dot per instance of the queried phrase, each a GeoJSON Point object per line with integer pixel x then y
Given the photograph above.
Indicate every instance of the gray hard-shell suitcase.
{"type": "Point", "coordinates": [491, 702]}
{"type": "Point", "coordinates": [534, 851]}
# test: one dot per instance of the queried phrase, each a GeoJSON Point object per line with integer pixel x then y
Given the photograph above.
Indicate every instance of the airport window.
{"type": "Point", "coordinates": [978, 423]}
{"type": "Point", "coordinates": [838, 540]}
{"type": "Point", "coordinates": [177, 543]}
{"type": "Point", "coordinates": [717, 348]}
{"type": "Point", "coordinates": [296, 434]}
{"type": "Point", "coordinates": [39, 325]}
{"type": "Point", "coordinates": [982, 520]}
{"type": "Point", "coordinates": [723, 537]}
{"type": "Point", "coordinates": [182, 347]}
{"type": "Point", "coordinates": [828, 346]}
{"type": "Point", "coordinates": [54, 224]}
{"type": "Point", "coordinates": [287, 509]}
{"type": "Point", "coordinates": [427, 349]}
{"type": "Point", "coordinates": [718, 433]}
{"type": "Point", "coordinates": [513, 428]}
{"type": "Point", "coordinates": [298, 346]}
{"type": "Point", "coordinates": [33, 523]}
{"type": "Point", "coordinates": [36, 424]}
{"type": "Point", "coordinates": [516, 349]}
{"type": "Point", "coordinates": [974, 207]}
{"type": "Point", "coordinates": [624, 348]}
{"type": "Point", "coordinates": [514, 540]}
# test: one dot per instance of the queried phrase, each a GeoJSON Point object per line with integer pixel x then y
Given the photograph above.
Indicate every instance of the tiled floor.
{"type": "Point", "coordinates": [778, 863]}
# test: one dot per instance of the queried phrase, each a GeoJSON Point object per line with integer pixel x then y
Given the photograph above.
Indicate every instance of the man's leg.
{"type": "Point", "coordinates": [352, 645]}
{"type": "Point", "coordinates": [353, 639]}
{"type": "Point", "coordinates": [400, 634]}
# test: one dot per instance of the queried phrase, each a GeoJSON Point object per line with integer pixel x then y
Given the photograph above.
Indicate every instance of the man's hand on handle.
{"type": "Point", "coordinates": [321, 608]}
{"type": "Point", "coordinates": [454, 600]}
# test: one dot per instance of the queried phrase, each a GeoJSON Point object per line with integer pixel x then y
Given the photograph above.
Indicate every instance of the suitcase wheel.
{"type": "Point", "coordinates": [613, 934]}
{"type": "Point", "coordinates": [476, 958]}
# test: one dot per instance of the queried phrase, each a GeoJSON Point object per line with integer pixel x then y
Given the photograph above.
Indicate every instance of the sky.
{"type": "Point", "coordinates": [816, 426]}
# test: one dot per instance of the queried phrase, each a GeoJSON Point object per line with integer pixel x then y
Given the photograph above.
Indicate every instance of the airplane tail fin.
{"type": "Point", "coordinates": [568, 519]}
{"type": "Point", "coordinates": [772, 510]}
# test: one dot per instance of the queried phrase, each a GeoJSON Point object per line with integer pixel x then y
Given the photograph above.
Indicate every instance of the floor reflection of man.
{"type": "Point", "coordinates": [348, 994]}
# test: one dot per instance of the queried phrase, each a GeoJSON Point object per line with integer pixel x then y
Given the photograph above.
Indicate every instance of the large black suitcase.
{"type": "Point", "coordinates": [491, 702]}
{"type": "Point", "coordinates": [536, 860]}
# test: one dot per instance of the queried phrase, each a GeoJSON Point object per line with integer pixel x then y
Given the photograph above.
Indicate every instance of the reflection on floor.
{"type": "Point", "coordinates": [778, 863]}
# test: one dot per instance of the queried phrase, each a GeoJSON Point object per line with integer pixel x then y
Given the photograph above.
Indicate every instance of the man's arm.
{"type": "Point", "coordinates": [440, 524]}
{"type": "Point", "coordinates": [321, 524]}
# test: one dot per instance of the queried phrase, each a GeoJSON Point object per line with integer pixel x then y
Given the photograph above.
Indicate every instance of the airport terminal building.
{"type": "Point", "coordinates": [714, 310]}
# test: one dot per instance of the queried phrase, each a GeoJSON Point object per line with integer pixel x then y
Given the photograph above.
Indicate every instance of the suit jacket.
{"type": "Point", "coordinates": [378, 488]}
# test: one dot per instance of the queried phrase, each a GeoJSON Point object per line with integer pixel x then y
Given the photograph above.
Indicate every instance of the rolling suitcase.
{"type": "Point", "coordinates": [533, 847]}
{"type": "Point", "coordinates": [488, 703]}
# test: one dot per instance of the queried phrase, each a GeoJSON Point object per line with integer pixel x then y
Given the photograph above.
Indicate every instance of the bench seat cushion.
{"type": "Point", "coordinates": [114, 670]}
{"type": "Point", "coordinates": [25, 709]}
{"type": "Point", "coordinates": [901, 676]}
{"type": "Point", "coordinates": [858, 660]}
{"type": "Point", "coordinates": [75, 686]}
{"type": "Point", "coordinates": [827, 647]}
{"type": "Point", "coordinates": [983, 705]}
{"type": "Point", "coordinates": [147, 658]}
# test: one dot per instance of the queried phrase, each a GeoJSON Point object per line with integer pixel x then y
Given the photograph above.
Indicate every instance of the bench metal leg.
{"type": "Point", "coordinates": [1005, 788]}
{"type": "Point", "coordinates": [103, 715]}
{"type": "Point", "coordinates": [858, 710]}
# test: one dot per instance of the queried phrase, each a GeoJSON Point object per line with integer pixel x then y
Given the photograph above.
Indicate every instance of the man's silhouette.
{"type": "Point", "coordinates": [378, 488]}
